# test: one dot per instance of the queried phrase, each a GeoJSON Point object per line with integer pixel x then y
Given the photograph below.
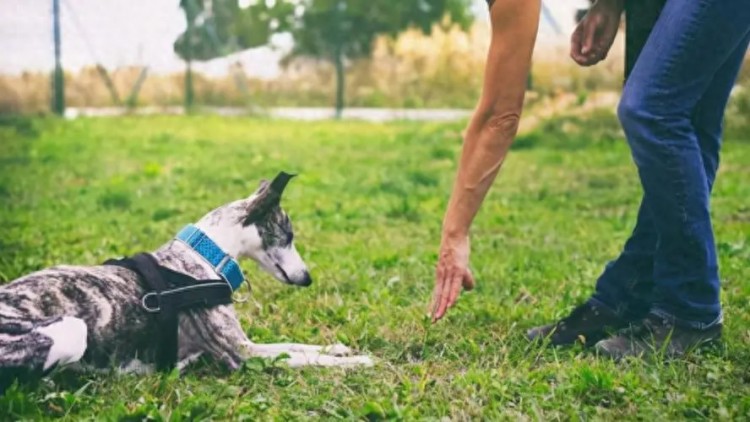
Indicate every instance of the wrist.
{"type": "Point", "coordinates": [452, 232]}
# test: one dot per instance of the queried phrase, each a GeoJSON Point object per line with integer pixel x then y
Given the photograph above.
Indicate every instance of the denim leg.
{"type": "Point", "coordinates": [679, 64]}
{"type": "Point", "coordinates": [708, 118]}
{"type": "Point", "coordinates": [626, 285]}
{"type": "Point", "coordinates": [627, 282]}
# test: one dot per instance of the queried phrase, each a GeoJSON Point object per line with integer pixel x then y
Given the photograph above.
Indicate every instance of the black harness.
{"type": "Point", "coordinates": [172, 292]}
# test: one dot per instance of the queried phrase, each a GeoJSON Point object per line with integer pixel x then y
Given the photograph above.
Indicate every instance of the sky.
{"type": "Point", "coordinates": [120, 33]}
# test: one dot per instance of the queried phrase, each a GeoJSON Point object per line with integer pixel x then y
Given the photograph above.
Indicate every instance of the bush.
{"type": "Point", "coordinates": [738, 114]}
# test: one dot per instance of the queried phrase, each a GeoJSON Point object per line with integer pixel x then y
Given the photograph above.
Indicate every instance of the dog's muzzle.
{"type": "Point", "coordinates": [303, 281]}
{"type": "Point", "coordinates": [306, 280]}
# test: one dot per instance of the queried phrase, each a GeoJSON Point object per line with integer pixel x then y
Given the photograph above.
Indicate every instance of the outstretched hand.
{"type": "Point", "coordinates": [594, 35]}
{"type": "Point", "coordinates": [452, 274]}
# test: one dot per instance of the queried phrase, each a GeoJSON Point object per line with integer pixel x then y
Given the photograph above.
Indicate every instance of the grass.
{"type": "Point", "coordinates": [367, 210]}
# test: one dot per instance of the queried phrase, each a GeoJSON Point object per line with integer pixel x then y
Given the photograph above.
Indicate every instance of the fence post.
{"type": "Point", "coordinates": [640, 17]}
{"type": "Point", "coordinates": [58, 79]}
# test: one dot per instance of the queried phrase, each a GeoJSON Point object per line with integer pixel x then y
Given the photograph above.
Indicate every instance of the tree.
{"type": "Point", "coordinates": [338, 30]}
{"type": "Point", "coordinates": [335, 30]}
{"type": "Point", "coordinates": [217, 28]}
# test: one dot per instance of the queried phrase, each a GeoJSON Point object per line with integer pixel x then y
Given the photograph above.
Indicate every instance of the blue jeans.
{"type": "Point", "coordinates": [672, 112]}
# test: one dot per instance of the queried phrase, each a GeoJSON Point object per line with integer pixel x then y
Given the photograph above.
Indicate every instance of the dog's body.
{"type": "Point", "coordinates": [94, 315]}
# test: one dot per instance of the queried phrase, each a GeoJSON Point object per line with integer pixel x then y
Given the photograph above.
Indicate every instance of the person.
{"type": "Point", "coordinates": [662, 292]}
{"type": "Point", "coordinates": [486, 140]}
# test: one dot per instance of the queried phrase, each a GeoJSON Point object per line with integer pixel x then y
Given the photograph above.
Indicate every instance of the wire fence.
{"type": "Point", "coordinates": [119, 55]}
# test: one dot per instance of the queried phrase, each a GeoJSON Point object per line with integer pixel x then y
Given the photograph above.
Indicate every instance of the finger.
{"type": "Point", "coordinates": [586, 60]}
{"type": "Point", "coordinates": [434, 299]}
{"type": "Point", "coordinates": [603, 49]}
{"type": "Point", "coordinates": [437, 289]}
{"type": "Point", "coordinates": [581, 61]}
{"type": "Point", "coordinates": [444, 294]}
{"type": "Point", "coordinates": [589, 35]}
{"type": "Point", "coordinates": [577, 45]}
{"type": "Point", "coordinates": [575, 42]}
{"type": "Point", "coordinates": [454, 292]}
{"type": "Point", "coordinates": [438, 294]}
{"type": "Point", "coordinates": [469, 281]}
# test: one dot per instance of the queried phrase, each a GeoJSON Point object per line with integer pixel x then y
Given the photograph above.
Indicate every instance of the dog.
{"type": "Point", "coordinates": [97, 316]}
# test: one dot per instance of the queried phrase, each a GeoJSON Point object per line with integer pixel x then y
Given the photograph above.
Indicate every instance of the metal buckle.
{"type": "Point", "coordinates": [222, 263]}
{"type": "Point", "coordinates": [146, 307]}
{"type": "Point", "coordinates": [220, 269]}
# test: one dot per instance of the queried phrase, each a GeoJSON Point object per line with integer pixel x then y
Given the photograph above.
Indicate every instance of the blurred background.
{"type": "Point", "coordinates": [260, 56]}
{"type": "Point", "coordinates": [367, 209]}
{"type": "Point", "coordinates": [293, 58]}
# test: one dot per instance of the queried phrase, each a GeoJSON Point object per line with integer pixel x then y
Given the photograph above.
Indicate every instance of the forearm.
{"type": "Point", "coordinates": [486, 144]}
{"type": "Point", "coordinates": [495, 122]}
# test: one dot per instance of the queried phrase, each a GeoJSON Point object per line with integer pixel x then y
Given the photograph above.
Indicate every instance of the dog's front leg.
{"type": "Point", "coordinates": [215, 333]}
{"type": "Point", "coordinates": [297, 360]}
{"type": "Point", "coordinates": [298, 354]}
{"type": "Point", "coordinates": [311, 355]}
{"type": "Point", "coordinates": [275, 349]}
{"type": "Point", "coordinates": [228, 343]}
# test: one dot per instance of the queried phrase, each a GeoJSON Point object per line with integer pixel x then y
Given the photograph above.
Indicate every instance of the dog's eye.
{"type": "Point", "coordinates": [289, 238]}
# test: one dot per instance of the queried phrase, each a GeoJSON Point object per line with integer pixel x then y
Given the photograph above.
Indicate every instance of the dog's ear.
{"type": "Point", "coordinates": [280, 181]}
{"type": "Point", "coordinates": [268, 198]}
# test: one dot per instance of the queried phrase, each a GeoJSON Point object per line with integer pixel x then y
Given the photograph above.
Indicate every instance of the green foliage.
{"type": "Point", "coordinates": [332, 30]}
{"type": "Point", "coordinates": [319, 27]}
{"type": "Point", "coordinates": [738, 111]}
{"type": "Point", "coordinates": [217, 28]}
{"type": "Point", "coordinates": [367, 208]}
{"type": "Point", "coordinates": [351, 26]}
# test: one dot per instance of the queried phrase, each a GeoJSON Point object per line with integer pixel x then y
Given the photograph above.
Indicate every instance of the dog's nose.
{"type": "Point", "coordinates": [306, 280]}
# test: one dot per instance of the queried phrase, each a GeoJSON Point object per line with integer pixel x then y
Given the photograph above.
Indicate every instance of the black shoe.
{"type": "Point", "coordinates": [658, 336]}
{"type": "Point", "coordinates": [588, 323]}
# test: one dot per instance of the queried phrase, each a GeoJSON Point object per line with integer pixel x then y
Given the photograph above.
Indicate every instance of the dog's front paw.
{"type": "Point", "coordinates": [365, 361]}
{"type": "Point", "coordinates": [362, 360]}
{"type": "Point", "coordinates": [338, 350]}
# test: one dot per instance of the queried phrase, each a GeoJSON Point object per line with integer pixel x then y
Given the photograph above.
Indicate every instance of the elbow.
{"type": "Point", "coordinates": [503, 124]}
{"type": "Point", "coordinates": [497, 128]}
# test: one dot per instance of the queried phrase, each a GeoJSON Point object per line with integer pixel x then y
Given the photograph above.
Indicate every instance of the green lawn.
{"type": "Point", "coordinates": [367, 209]}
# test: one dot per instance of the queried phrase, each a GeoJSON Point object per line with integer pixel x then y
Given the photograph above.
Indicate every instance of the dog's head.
{"type": "Point", "coordinates": [257, 228]}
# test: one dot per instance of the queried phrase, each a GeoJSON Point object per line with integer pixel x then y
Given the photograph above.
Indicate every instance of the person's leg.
{"type": "Point", "coordinates": [627, 282]}
{"type": "Point", "coordinates": [624, 291]}
{"type": "Point", "coordinates": [708, 118]}
{"type": "Point", "coordinates": [676, 68]}
{"type": "Point", "coordinates": [660, 331]}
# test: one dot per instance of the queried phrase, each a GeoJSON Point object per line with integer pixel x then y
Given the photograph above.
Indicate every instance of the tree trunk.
{"type": "Point", "coordinates": [58, 78]}
{"type": "Point", "coordinates": [338, 56]}
{"type": "Point", "coordinates": [188, 86]}
{"type": "Point", "coordinates": [189, 59]}
{"type": "Point", "coordinates": [340, 82]}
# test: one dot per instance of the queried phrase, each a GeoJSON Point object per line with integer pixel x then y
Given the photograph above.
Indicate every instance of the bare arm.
{"type": "Point", "coordinates": [495, 120]}
{"type": "Point", "coordinates": [486, 141]}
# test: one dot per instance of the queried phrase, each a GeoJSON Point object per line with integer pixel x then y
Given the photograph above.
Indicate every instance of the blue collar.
{"type": "Point", "coordinates": [223, 263]}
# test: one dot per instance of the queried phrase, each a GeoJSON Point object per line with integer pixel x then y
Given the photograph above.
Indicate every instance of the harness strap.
{"type": "Point", "coordinates": [172, 292]}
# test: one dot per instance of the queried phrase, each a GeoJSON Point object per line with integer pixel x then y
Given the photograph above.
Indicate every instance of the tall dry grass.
{"type": "Point", "coordinates": [443, 69]}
